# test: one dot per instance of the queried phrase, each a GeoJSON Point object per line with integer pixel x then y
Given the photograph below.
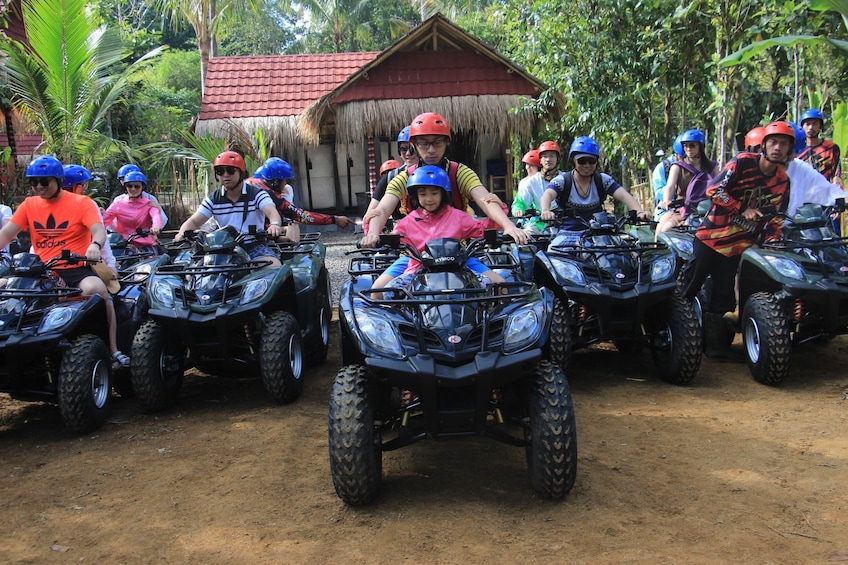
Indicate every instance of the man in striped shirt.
{"type": "Point", "coordinates": [748, 183]}
{"type": "Point", "coordinates": [240, 205]}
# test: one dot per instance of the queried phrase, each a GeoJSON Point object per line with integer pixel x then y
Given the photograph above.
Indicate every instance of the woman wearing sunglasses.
{"type": "Point", "coordinates": [583, 190]}
{"type": "Point", "coordinates": [406, 151]}
{"type": "Point", "coordinates": [687, 179]}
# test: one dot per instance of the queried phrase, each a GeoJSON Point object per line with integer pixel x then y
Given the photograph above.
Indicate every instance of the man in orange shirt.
{"type": "Point", "coordinates": [58, 220]}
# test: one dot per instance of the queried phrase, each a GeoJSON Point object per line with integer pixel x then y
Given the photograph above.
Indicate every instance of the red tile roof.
{"type": "Point", "coordinates": [436, 74]}
{"type": "Point", "coordinates": [276, 85]}
{"type": "Point", "coordinates": [25, 143]}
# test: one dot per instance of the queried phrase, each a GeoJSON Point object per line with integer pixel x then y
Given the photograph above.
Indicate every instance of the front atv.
{"type": "Point", "coordinates": [610, 286]}
{"type": "Point", "coordinates": [53, 342]}
{"type": "Point", "coordinates": [793, 291]}
{"type": "Point", "coordinates": [442, 358]}
{"type": "Point", "coordinates": [215, 309]}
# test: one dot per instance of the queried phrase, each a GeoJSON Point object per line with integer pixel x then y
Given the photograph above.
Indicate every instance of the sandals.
{"type": "Point", "coordinates": [120, 360]}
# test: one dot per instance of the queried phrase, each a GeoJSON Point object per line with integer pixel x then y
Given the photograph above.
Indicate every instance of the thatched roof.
{"type": "Point", "coordinates": [357, 107]}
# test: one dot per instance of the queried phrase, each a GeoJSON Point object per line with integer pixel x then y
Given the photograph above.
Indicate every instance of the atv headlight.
{"type": "Point", "coordinates": [379, 333]}
{"type": "Point", "coordinates": [682, 245]}
{"type": "Point", "coordinates": [569, 271]}
{"type": "Point", "coordinates": [162, 292]}
{"type": "Point", "coordinates": [522, 329]}
{"type": "Point", "coordinates": [254, 290]}
{"type": "Point", "coordinates": [786, 267]}
{"type": "Point", "coordinates": [56, 318]}
{"type": "Point", "coordinates": [662, 269]}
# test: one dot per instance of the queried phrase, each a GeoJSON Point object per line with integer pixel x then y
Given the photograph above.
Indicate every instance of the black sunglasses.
{"type": "Point", "coordinates": [586, 161]}
{"type": "Point", "coordinates": [229, 170]}
{"type": "Point", "coordinates": [405, 148]}
{"type": "Point", "coordinates": [40, 181]}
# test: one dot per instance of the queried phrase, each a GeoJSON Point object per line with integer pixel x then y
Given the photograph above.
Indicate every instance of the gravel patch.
{"type": "Point", "coordinates": [338, 242]}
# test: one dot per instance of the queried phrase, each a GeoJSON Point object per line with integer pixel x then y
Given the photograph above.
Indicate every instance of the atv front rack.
{"type": "Point", "coordinates": [578, 252]}
{"type": "Point", "coordinates": [496, 292]}
{"type": "Point", "coordinates": [51, 293]}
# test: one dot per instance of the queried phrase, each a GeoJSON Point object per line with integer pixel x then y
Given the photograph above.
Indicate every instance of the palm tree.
{"type": "Point", "coordinates": [205, 17]}
{"type": "Point", "coordinates": [64, 80]}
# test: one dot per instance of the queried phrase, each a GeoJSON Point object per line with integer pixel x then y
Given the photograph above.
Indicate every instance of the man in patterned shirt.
{"type": "Point", "coordinates": [822, 154]}
{"type": "Point", "coordinates": [748, 182]}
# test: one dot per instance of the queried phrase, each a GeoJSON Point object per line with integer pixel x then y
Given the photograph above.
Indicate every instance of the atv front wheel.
{"type": "Point", "coordinates": [281, 357]}
{"type": "Point", "coordinates": [157, 367]}
{"type": "Point", "coordinates": [552, 435]}
{"type": "Point", "coordinates": [765, 334]}
{"type": "Point", "coordinates": [317, 343]}
{"type": "Point", "coordinates": [561, 334]}
{"type": "Point", "coordinates": [677, 342]}
{"type": "Point", "coordinates": [85, 384]}
{"type": "Point", "coordinates": [356, 455]}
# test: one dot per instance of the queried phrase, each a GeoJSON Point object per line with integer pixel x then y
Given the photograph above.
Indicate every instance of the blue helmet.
{"type": "Point", "coordinates": [135, 176]}
{"type": "Point", "coordinates": [428, 175]}
{"type": "Point", "coordinates": [677, 146]}
{"type": "Point", "coordinates": [584, 144]}
{"type": "Point", "coordinates": [45, 166]}
{"type": "Point", "coordinates": [75, 174]}
{"type": "Point", "coordinates": [695, 135]}
{"type": "Point", "coordinates": [800, 138]}
{"type": "Point", "coordinates": [812, 114]}
{"type": "Point", "coordinates": [122, 172]}
{"type": "Point", "coordinates": [261, 173]}
{"type": "Point", "coordinates": [403, 136]}
{"type": "Point", "coordinates": [277, 169]}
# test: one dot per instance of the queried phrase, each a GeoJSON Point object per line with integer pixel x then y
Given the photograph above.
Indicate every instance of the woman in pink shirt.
{"type": "Point", "coordinates": [125, 215]}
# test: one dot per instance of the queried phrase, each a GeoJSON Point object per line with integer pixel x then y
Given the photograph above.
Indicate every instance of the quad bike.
{"type": "Point", "coordinates": [216, 309]}
{"type": "Point", "coordinates": [793, 290]}
{"type": "Point", "coordinates": [444, 357]}
{"type": "Point", "coordinates": [610, 286]}
{"type": "Point", "coordinates": [54, 340]}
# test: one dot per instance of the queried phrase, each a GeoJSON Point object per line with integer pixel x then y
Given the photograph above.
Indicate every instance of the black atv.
{"type": "Point", "coordinates": [54, 341]}
{"type": "Point", "coordinates": [444, 357]}
{"type": "Point", "coordinates": [610, 286]}
{"type": "Point", "coordinates": [216, 309]}
{"type": "Point", "coordinates": [793, 290]}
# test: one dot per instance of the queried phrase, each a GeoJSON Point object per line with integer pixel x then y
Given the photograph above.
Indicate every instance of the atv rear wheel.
{"type": "Point", "coordinates": [677, 341]}
{"type": "Point", "coordinates": [317, 343]}
{"type": "Point", "coordinates": [157, 367]}
{"type": "Point", "coordinates": [765, 334]}
{"type": "Point", "coordinates": [356, 455]}
{"type": "Point", "coordinates": [281, 357]}
{"type": "Point", "coordinates": [561, 334]}
{"type": "Point", "coordinates": [552, 435]}
{"type": "Point", "coordinates": [85, 384]}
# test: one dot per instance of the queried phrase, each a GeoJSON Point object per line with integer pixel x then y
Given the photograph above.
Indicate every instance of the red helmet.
{"type": "Point", "coordinates": [532, 158]}
{"type": "Point", "coordinates": [550, 146]}
{"type": "Point", "coordinates": [388, 166]}
{"type": "Point", "coordinates": [231, 159]}
{"type": "Point", "coordinates": [755, 137]}
{"type": "Point", "coordinates": [429, 124]}
{"type": "Point", "coordinates": [779, 128]}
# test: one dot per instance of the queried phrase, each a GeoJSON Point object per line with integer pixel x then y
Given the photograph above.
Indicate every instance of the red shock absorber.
{"type": "Point", "coordinates": [582, 313]}
{"type": "Point", "coordinates": [797, 310]}
{"type": "Point", "coordinates": [406, 397]}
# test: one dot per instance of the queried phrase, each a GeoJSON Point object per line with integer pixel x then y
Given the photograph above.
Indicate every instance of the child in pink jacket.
{"type": "Point", "coordinates": [432, 218]}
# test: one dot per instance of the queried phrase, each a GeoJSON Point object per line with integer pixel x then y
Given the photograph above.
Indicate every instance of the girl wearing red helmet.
{"type": "Point", "coordinates": [431, 136]}
{"type": "Point", "coordinates": [747, 183]}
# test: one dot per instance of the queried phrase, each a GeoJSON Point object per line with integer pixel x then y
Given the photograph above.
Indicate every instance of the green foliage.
{"type": "Point", "coordinates": [68, 77]}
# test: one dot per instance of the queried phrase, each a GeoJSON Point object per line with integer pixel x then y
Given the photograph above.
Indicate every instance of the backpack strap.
{"type": "Point", "coordinates": [568, 183]}
{"type": "Point", "coordinates": [456, 197]}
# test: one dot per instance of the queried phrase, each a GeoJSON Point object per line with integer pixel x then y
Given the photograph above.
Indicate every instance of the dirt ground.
{"type": "Point", "coordinates": [725, 470]}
